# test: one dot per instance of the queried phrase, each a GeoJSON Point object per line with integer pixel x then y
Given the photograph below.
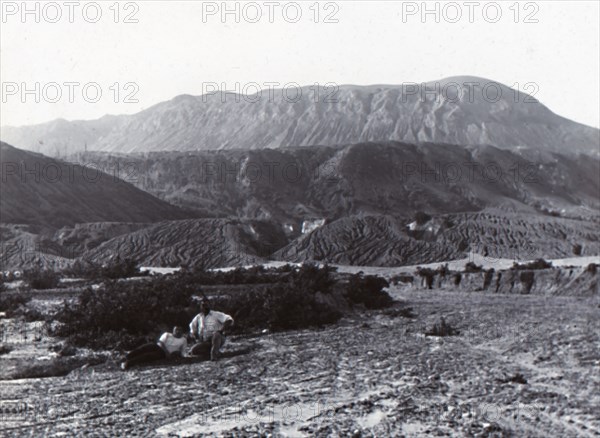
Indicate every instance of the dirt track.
{"type": "Point", "coordinates": [374, 374]}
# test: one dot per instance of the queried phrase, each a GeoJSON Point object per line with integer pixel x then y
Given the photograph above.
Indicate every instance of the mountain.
{"type": "Point", "coordinates": [293, 185]}
{"type": "Point", "coordinates": [379, 203]}
{"type": "Point", "coordinates": [49, 193]}
{"type": "Point", "coordinates": [458, 110]}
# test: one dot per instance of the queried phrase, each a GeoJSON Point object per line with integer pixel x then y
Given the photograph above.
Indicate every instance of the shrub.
{"type": "Point", "coordinates": [122, 315]}
{"type": "Point", "coordinates": [13, 303]}
{"type": "Point", "coordinates": [124, 308]}
{"type": "Point", "coordinates": [577, 249]}
{"type": "Point", "coordinates": [120, 269]}
{"type": "Point", "coordinates": [41, 279]}
{"type": "Point", "coordinates": [115, 269]}
{"type": "Point", "coordinates": [487, 280]}
{"type": "Point", "coordinates": [5, 349]}
{"type": "Point", "coordinates": [368, 291]}
{"type": "Point", "coordinates": [427, 274]}
{"type": "Point", "coordinates": [537, 264]}
{"type": "Point", "coordinates": [515, 378]}
{"type": "Point", "coordinates": [405, 312]}
{"type": "Point", "coordinates": [443, 270]}
{"type": "Point", "coordinates": [592, 268]}
{"type": "Point", "coordinates": [457, 279]}
{"type": "Point", "coordinates": [402, 278]}
{"type": "Point", "coordinates": [442, 329]}
{"type": "Point", "coordinates": [472, 267]}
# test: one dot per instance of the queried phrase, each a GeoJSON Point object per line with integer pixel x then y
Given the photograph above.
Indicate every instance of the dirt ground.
{"type": "Point", "coordinates": [521, 366]}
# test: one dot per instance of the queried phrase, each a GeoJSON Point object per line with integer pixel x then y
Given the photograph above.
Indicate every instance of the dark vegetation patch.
{"type": "Point", "coordinates": [471, 267]}
{"type": "Point", "coordinates": [515, 378]}
{"type": "Point", "coordinates": [442, 329]}
{"type": "Point", "coordinates": [427, 275]}
{"type": "Point", "coordinates": [536, 264]}
{"type": "Point", "coordinates": [41, 279]}
{"type": "Point", "coordinates": [118, 268]}
{"type": "Point", "coordinates": [12, 303]}
{"type": "Point", "coordinates": [121, 315]}
{"type": "Point", "coordinates": [401, 311]}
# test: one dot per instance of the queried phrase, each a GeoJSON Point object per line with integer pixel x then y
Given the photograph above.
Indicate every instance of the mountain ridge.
{"type": "Point", "coordinates": [465, 115]}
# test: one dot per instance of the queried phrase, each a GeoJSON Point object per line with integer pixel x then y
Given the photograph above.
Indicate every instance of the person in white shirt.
{"type": "Point", "coordinates": [169, 344]}
{"type": "Point", "coordinates": [208, 329]}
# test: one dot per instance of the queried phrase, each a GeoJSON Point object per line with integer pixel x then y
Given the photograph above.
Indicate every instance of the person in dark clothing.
{"type": "Point", "coordinates": [169, 344]}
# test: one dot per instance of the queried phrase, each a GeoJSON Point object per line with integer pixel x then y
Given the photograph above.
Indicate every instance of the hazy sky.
{"type": "Point", "coordinates": [175, 48]}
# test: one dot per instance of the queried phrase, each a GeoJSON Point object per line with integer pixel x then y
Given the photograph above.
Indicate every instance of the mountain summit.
{"type": "Point", "coordinates": [459, 110]}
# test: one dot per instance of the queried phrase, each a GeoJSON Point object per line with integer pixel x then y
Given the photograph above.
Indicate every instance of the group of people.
{"type": "Point", "coordinates": [207, 330]}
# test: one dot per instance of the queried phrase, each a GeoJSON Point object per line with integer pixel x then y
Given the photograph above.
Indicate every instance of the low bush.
{"type": "Point", "coordinates": [123, 315]}
{"type": "Point", "coordinates": [536, 264]}
{"type": "Point", "coordinates": [368, 291]}
{"type": "Point", "coordinates": [41, 279]}
{"type": "Point", "coordinates": [427, 274]}
{"type": "Point", "coordinates": [404, 312]}
{"type": "Point", "coordinates": [472, 267]}
{"type": "Point", "coordinates": [515, 378]}
{"type": "Point", "coordinates": [13, 303]}
{"type": "Point", "coordinates": [442, 329]}
{"type": "Point", "coordinates": [402, 278]}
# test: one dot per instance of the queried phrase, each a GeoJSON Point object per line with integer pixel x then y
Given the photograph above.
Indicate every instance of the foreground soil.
{"type": "Point", "coordinates": [521, 366]}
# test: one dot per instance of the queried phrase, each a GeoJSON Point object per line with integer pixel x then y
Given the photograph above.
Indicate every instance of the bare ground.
{"type": "Point", "coordinates": [374, 374]}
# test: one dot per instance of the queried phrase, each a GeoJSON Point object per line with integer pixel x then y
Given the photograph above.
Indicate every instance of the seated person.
{"type": "Point", "coordinates": [168, 345]}
{"type": "Point", "coordinates": [208, 328]}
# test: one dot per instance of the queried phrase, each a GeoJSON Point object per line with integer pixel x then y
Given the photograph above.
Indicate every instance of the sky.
{"type": "Point", "coordinates": [82, 60]}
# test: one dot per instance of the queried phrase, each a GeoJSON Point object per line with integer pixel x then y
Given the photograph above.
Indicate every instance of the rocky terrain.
{"type": "Point", "coordinates": [458, 110]}
{"type": "Point", "coordinates": [522, 365]}
{"type": "Point", "coordinates": [388, 241]}
{"type": "Point", "coordinates": [201, 242]}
